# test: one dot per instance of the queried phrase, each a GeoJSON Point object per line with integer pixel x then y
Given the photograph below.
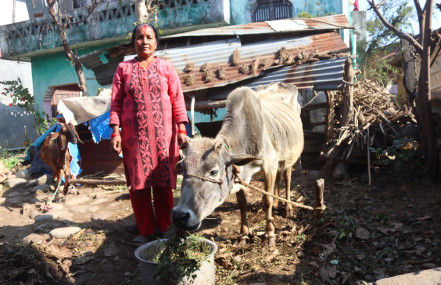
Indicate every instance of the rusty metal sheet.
{"type": "Point", "coordinates": [218, 56]}
{"type": "Point", "coordinates": [320, 75]}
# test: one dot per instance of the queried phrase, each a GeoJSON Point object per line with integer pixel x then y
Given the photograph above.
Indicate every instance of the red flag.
{"type": "Point", "coordinates": [356, 7]}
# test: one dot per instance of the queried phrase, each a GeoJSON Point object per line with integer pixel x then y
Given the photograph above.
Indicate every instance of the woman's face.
{"type": "Point", "coordinates": [145, 41]}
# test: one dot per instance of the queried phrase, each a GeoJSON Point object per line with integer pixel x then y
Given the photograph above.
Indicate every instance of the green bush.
{"type": "Point", "coordinates": [404, 155]}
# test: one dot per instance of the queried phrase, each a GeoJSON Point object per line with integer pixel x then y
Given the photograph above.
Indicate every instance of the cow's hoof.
{"type": "Point", "coordinates": [289, 213]}
{"type": "Point", "coordinates": [271, 241]}
{"type": "Point", "coordinates": [241, 241]}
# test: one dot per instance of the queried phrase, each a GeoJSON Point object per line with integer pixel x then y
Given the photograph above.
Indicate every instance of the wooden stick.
{"type": "Point", "coordinates": [319, 197]}
{"type": "Point", "coordinates": [295, 204]}
{"type": "Point", "coordinates": [97, 181]}
{"type": "Point", "coordinates": [368, 158]}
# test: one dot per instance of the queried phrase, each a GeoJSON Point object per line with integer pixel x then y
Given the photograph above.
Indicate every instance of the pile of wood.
{"type": "Point", "coordinates": [374, 121]}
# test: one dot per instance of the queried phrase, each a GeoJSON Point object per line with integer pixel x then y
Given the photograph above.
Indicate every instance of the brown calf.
{"type": "Point", "coordinates": [55, 152]}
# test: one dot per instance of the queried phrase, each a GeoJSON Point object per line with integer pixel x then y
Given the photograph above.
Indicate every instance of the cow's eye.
{"type": "Point", "coordinates": [214, 172]}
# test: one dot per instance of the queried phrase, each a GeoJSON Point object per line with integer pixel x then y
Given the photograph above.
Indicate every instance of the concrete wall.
{"type": "Point", "coordinates": [241, 10]}
{"type": "Point", "coordinates": [12, 125]}
{"type": "Point", "coordinates": [111, 22]}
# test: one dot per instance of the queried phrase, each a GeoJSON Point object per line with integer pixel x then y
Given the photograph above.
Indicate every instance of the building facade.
{"type": "Point", "coordinates": [37, 40]}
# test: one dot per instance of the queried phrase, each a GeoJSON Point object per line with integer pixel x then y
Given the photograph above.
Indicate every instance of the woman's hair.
{"type": "Point", "coordinates": [151, 26]}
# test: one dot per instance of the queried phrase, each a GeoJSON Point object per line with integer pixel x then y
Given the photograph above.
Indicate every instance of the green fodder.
{"type": "Point", "coordinates": [179, 257]}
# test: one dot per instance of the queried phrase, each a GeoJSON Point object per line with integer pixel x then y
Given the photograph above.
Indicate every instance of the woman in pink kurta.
{"type": "Point", "coordinates": [148, 118]}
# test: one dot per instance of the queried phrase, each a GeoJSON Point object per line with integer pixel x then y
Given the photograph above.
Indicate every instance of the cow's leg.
{"type": "Point", "coordinates": [276, 191]}
{"type": "Point", "coordinates": [67, 173]}
{"type": "Point", "coordinates": [54, 175]}
{"type": "Point", "coordinates": [267, 201]}
{"type": "Point", "coordinates": [244, 230]}
{"type": "Point", "coordinates": [289, 209]}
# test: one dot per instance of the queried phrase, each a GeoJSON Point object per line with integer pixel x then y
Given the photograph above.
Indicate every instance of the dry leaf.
{"type": "Point", "coordinates": [362, 233]}
{"type": "Point", "coordinates": [324, 274]}
{"type": "Point", "coordinates": [333, 271]}
{"type": "Point", "coordinates": [425, 218]}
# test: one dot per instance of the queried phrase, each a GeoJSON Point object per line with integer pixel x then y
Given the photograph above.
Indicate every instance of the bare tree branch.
{"type": "Point", "coordinates": [399, 33]}
{"type": "Point", "coordinates": [419, 11]}
{"type": "Point", "coordinates": [73, 57]}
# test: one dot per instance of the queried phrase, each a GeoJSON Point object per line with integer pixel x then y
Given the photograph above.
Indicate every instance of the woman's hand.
{"type": "Point", "coordinates": [115, 142]}
{"type": "Point", "coordinates": [182, 140]}
{"type": "Point", "coordinates": [115, 139]}
{"type": "Point", "coordinates": [182, 136]}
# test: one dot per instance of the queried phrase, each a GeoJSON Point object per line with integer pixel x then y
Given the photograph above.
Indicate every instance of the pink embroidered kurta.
{"type": "Point", "coordinates": [148, 104]}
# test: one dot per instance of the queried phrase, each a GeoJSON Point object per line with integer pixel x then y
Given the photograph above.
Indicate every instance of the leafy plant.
{"type": "Point", "coordinates": [404, 154]}
{"type": "Point", "coordinates": [22, 98]}
{"type": "Point", "coordinates": [10, 159]}
{"type": "Point", "coordinates": [179, 257]}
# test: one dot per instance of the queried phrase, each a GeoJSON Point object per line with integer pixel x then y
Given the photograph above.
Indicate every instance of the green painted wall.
{"type": "Point", "coordinates": [55, 69]}
{"type": "Point", "coordinates": [184, 16]}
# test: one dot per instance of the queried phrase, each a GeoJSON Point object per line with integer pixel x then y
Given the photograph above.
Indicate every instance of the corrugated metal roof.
{"type": "Point", "coordinates": [320, 75]}
{"type": "Point", "coordinates": [218, 55]}
{"type": "Point", "coordinates": [270, 27]}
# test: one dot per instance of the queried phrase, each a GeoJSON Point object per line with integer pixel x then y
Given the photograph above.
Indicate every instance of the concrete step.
{"type": "Point", "coordinates": [425, 277]}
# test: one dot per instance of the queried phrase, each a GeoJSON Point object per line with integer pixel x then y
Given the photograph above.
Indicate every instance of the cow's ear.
{"type": "Point", "coordinates": [217, 146]}
{"type": "Point", "coordinates": [243, 159]}
{"type": "Point", "coordinates": [185, 143]}
{"type": "Point", "coordinates": [179, 168]}
{"type": "Point", "coordinates": [180, 164]}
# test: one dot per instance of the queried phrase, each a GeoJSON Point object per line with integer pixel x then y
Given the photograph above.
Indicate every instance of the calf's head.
{"type": "Point", "coordinates": [207, 180]}
{"type": "Point", "coordinates": [71, 134]}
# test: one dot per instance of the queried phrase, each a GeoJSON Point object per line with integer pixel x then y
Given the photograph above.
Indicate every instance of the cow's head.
{"type": "Point", "coordinates": [208, 175]}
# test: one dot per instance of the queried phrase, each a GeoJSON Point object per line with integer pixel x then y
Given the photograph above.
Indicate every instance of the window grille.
{"type": "Point", "coordinates": [272, 10]}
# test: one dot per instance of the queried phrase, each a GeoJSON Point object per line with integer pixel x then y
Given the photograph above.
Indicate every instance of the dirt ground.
{"type": "Point", "coordinates": [366, 233]}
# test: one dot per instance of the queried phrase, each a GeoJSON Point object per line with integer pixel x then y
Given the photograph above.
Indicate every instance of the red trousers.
{"type": "Point", "coordinates": [146, 219]}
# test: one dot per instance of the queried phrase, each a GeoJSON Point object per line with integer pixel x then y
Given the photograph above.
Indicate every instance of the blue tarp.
{"type": "Point", "coordinates": [73, 150]}
{"type": "Point", "coordinates": [38, 142]}
{"type": "Point", "coordinates": [99, 127]}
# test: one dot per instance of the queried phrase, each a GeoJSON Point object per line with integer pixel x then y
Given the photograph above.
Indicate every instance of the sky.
{"type": "Point", "coordinates": [6, 11]}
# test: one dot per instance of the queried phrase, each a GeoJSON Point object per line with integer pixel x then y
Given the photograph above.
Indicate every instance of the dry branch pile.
{"type": "Point", "coordinates": [374, 122]}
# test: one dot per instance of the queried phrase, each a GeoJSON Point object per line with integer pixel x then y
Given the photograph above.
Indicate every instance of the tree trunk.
{"type": "Point", "coordinates": [141, 11]}
{"type": "Point", "coordinates": [412, 70]}
{"type": "Point", "coordinates": [423, 99]}
{"type": "Point", "coordinates": [73, 57]}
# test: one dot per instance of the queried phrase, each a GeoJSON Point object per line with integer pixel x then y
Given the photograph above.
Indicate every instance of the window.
{"type": "Point", "coordinates": [271, 10]}
{"type": "Point", "coordinates": [56, 93]}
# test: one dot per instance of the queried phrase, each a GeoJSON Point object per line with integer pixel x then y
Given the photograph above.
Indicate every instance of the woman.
{"type": "Point", "coordinates": [148, 107]}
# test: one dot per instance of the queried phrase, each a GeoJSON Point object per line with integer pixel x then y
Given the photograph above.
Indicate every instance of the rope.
{"type": "Point", "coordinates": [280, 198]}
{"type": "Point", "coordinates": [208, 179]}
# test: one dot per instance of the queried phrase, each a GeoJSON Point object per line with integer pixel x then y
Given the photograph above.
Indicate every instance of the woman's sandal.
{"type": "Point", "coordinates": [139, 240]}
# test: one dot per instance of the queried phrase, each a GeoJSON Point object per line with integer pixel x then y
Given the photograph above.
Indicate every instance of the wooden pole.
{"type": "Point", "coordinates": [368, 158]}
{"type": "Point", "coordinates": [192, 114]}
{"type": "Point", "coordinates": [97, 181]}
{"type": "Point", "coordinates": [319, 197]}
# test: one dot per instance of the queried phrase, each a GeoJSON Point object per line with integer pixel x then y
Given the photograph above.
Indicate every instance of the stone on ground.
{"type": "Point", "coordinates": [12, 182]}
{"type": "Point", "coordinates": [425, 277]}
{"type": "Point", "coordinates": [64, 232]}
{"type": "Point", "coordinates": [41, 187]}
{"type": "Point", "coordinates": [103, 215]}
{"type": "Point", "coordinates": [34, 238]}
